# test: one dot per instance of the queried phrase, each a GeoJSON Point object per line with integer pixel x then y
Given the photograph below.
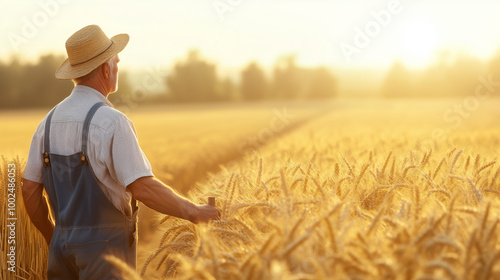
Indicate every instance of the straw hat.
{"type": "Point", "coordinates": [88, 48]}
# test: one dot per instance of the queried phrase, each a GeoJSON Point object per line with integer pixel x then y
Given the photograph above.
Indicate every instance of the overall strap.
{"type": "Point", "coordinates": [46, 139]}
{"type": "Point", "coordinates": [86, 125]}
{"type": "Point", "coordinates": [85, 137]}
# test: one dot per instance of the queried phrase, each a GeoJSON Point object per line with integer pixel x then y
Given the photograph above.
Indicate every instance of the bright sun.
{"type": "Point", "coordinates": [418, 42]}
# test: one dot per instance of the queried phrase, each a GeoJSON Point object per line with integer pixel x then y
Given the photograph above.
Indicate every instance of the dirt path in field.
{"type": "Point", "coordinates": [236, 153]}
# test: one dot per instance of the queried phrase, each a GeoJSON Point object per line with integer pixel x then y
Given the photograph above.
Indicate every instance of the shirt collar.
{"type": "Point", "coordinates": [93, 93]}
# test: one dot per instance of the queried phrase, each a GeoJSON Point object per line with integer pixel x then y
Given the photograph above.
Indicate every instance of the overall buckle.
{"type": "Point", "coordinates": [83, 158]}
{"type": "Point", "coordinates": [46, 159]}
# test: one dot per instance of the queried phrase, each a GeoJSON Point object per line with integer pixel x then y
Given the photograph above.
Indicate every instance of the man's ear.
{"type": "Point", "coordinates": [105, 70]}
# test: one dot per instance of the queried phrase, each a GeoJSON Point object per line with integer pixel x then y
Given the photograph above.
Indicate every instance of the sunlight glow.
{"type": "Point", "coordinates": [418, 42]}
{"type": "Point", "coordinates": [258, 30]}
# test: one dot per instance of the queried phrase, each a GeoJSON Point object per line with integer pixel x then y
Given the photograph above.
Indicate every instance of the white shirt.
{"type": "Point", "coordinates": [113, 149]}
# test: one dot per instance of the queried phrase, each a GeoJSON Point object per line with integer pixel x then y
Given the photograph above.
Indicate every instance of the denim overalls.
{"type": "Point", "coordinates": [87, 225]}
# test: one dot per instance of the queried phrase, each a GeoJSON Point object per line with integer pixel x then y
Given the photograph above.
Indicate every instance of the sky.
{"type": "Point", "coordinates": [335, 33]}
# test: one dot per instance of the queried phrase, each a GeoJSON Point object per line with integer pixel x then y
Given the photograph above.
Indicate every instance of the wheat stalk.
{"type": "Point", "coordinates": [426, 157]}
{"type": "Point", "coordinates": [228, 201]}
{"type": "Point", "coordinates": [487, 165]}
{"type": "Point", "coordinates": [455, 160]}
{"type": "Point", "coordinates": [438, 168]}
{"type": "Point", "coordinates": [361, 173]}
{"type": "Point", "coordinates": [351, 170]}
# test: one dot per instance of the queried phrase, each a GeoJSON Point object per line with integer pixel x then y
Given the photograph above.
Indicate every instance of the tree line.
{"type": "Point", "coordinates": [192, 79]}
{"type": "Point", "coordinates": [451, 75]}
{"type": "Point", "coordinates": [32, 84]}
{"type": "Point", "coordinates": [195, 79]}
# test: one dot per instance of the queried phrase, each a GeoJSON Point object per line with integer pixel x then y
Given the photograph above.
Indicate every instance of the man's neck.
{"type": "Point", "coordinates": [100, 87]}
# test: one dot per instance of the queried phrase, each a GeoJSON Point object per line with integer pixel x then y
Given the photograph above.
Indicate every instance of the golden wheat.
{"type": "Point", "coordinates": [365, 200]}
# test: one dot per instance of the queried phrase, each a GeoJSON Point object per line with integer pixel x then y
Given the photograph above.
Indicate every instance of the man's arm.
{"type": "Point", "coordinates": [162, 198]}
{"type": "Point", "coordinates": [37, 208]}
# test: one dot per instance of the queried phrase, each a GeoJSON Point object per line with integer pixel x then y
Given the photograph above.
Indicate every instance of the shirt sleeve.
{"type": "Point", "coordinates": [127, 162]}
{"type": "Point", "coordinates": [34, 165]}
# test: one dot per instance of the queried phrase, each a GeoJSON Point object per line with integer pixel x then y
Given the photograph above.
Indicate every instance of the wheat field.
{"type": "Point", "coordinates": [368, 190]}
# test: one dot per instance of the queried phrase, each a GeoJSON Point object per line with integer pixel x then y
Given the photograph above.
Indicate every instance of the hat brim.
{"type": "Point", "coordinates": [68, 72]}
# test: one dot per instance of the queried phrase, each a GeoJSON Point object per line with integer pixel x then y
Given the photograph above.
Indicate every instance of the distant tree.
{"type": "Point", "coordinates": [462, 76]}
{"type": "Point", "coordinates": [450, 75]}
{"type": "Point", "coordinates": [287, 78]}
{"type": "Point", "coordinates": [10, 75]}
{"type": "Point", "coordinates": [253, 82]}
{"type": "Point", "coordinates": [44, 88]}
{"type": "Point", "coordinates": [4, 86]}
{"type": "Point", "coordinates": [398, 81]}
{"type": "Point", "coordinates": [193, 80]}
{"type": "Point", "coordinates": [323, 84]}
{"type": "Point", "coordinates": [32, 84]}
{"type": "Point", "coordinates": [226, 90]}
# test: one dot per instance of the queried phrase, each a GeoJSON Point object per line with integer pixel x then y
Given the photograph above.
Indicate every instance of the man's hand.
{"type": "Point", "coordinates": [205, 214]}
{"type": "Point", "coordinates": [160, 197]}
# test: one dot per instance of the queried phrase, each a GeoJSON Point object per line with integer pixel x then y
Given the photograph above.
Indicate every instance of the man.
{"type": "Point", "coordinates": [85, 154]}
